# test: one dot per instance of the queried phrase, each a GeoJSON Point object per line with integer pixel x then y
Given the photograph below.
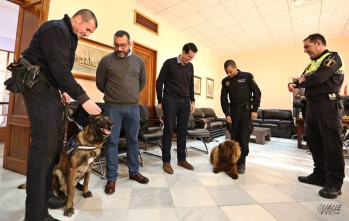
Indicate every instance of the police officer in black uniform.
{"type": "Point", "coordinates": [53, 49]}
{"type": "Point", "coordinates": [322, 80]}
{"type": "Point", "coordinates": [245, 98]}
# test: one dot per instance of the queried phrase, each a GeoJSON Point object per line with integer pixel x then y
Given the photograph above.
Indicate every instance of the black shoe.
{"type": "Point", "coordinates": [56, 202]}
{"type": "Point", "coordinates": [313, 179]}
{"type": "Point", "coordinates": [49, 218]}
{"type": "Point", "coordinates": [241, 168]}
{"type": "Point", "coordinates": [330, 191]}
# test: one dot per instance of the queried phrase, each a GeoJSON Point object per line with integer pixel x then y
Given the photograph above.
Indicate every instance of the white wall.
{"type": "Point", "coordinates": [272, 68]}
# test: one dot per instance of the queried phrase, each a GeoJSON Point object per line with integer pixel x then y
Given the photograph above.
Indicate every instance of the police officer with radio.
{"type": "Point", "coordinates": [322, 80]}
{"type": "Point", "coordinates": [245, 97]}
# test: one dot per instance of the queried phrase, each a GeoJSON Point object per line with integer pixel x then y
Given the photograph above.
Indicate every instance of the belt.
{"type": "Point", "coordinates": [239, 105]}
{"type": "Point", "coordinates": [330, 96]}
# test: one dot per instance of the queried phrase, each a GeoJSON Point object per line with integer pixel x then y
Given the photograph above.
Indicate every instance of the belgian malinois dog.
{"type": "Point", "coordinates": [77, 159]}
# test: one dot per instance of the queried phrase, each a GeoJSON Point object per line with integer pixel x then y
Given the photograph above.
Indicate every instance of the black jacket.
{"type": "Point", "coordinates": [241, 89]}
{"type": "Point", "coordinates": [53, 49]}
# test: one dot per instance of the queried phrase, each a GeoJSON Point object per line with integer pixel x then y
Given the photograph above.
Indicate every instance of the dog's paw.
{"type": "Point", "coordinates": [88, 194]}
{"type": "Point", "coordinates": [68, 211]}
{"type": "Point", "coordinates": [215, 170]}
{"type": "Point", "coordinates": [233, 175]}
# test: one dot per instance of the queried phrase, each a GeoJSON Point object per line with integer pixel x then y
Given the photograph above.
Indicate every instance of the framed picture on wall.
{"type": "Point", "coordinates": [87, 57]}
{"type": "Point", "coordinates": [209, 87]}
{"type": "Point", "coordinates": [197, 85]}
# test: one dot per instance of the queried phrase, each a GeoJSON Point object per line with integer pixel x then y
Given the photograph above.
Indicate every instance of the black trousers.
{"type": "Point", "coordinates": [176, 117]}
{"type": "Point", "coordinates": [324, 129]}
{"type": "Point", "coordinates": [45, 114]}
{"type": "Point", "coordinates": [240, 129]}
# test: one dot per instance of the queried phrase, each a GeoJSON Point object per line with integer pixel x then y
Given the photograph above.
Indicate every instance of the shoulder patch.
{"type": "Point", "coordinates": [329, 62]}
{"type": "Point", "coordinates": [227, 83]}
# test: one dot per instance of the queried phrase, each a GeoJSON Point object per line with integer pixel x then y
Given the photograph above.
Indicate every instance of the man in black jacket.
{"type": "Point", "coordinates": [245, 98]}
{"type": "Point", "coordinates": [53, 49]}
{"type": "Point", "coordinates": [322, 80]}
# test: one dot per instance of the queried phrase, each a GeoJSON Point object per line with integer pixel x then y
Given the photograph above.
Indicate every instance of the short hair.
{"type": "Point", "coordinates": [315, 37]}
{"type": "Point", "coordinates": [190, 47]}
{"type": "Point", "coordinates": [228, 63]}
{"type": "Point", "coordinates": [87, 15]}
{"type": "Point", "coordinates": [121, 33]}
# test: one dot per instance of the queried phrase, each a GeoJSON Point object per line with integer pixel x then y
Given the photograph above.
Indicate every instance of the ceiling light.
{"type": "Point", "coordinates": [335, 12]}
{"type": "Point", "coordinates": [296, 2]}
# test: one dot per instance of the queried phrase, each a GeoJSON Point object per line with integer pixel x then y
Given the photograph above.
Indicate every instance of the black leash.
{"type": "Point", "coordinates": [66, 118]}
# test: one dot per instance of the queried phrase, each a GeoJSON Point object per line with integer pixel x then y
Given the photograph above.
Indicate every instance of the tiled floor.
{"type": "Point", "coordinates": [268, 191]}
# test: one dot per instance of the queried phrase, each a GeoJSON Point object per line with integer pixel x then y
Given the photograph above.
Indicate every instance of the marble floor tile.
{"type": "Point", "coordinates": [269, 190]}
{"type": "Point", "coordinates": [264, 193]}
{"type": "Point", "coordinates": [291, 212]}
{"type": "Point", "coordinates": [151, 198]}
{"type": "Point", "coordinates": [200, 214]}
{"type": "Point", "coordinates": [191, 197]}
{"type": "Point", "coordinates": [168, 214]}
{"type": "Point", "coordinates": [247, 212]}
{"type": "Point", "coordinates": [230, 195]}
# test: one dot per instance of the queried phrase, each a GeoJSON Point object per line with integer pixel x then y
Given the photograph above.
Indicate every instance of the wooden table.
{"type": "Point", "coordinates": [300, 130]}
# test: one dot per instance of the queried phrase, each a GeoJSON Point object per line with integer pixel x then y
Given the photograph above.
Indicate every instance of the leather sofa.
{"type": "Point", "coordinates": [279, 121]}
{"type": "Point", "coordinates": [209, 120]}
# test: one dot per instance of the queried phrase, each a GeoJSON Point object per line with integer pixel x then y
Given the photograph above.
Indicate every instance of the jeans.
{"type": "Point", "coordinates": [127, 115]}
{"type": "Point", "coordinates": [175, 110]}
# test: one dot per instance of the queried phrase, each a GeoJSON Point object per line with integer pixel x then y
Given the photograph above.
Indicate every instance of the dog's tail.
{"type": "Point", "coordinates": [22, 186]}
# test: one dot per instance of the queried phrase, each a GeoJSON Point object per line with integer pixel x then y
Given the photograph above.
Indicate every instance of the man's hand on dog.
{"type": "Point", "coordinates": [91, 107]}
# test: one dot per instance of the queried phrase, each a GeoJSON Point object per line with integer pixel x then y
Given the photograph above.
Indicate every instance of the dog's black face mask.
{"type": "Point", "coordinates": [101, 124]}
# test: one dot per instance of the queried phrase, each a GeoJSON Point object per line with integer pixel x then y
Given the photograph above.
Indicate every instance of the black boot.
{"type": "Point", "coordinates": [54, 202]}
{"type": "Point", "coordinates": [330, 191]}
{"type": "Point", "coordinates": [314, 178]}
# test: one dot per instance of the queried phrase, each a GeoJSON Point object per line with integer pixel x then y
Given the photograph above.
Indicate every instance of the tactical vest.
{"type": "Point", "coordinates": [315, 64]}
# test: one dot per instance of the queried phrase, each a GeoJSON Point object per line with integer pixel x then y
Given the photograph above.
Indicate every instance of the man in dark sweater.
{"type": "Point", "coordinates": [53, 49]}
{"type": "Point", "coordinates": [121, 76]}
{"type": "Point", "coordinates": [175, 94]}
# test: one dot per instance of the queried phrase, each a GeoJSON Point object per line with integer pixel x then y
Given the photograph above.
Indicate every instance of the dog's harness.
{"type": "Point", "coordinates": [71, 147]}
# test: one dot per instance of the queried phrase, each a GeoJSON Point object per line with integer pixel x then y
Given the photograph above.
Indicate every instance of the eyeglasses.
{"type": "Point", "coordinates": [120, 45]}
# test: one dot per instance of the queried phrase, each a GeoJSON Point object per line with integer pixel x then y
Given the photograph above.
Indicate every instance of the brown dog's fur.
{"type": "Point", "coordinates": [70, 170]}
{"type": "Point", "coordinates": [224, 158]}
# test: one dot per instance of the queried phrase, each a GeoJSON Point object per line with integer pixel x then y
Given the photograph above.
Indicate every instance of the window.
{"type": "Point", "coordinates": [5, 58]}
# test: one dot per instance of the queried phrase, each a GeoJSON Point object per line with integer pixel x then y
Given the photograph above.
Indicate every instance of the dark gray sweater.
{"type": "Point", "coordinates": [121, 79]}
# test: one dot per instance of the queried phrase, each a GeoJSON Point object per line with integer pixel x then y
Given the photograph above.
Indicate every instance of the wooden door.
{"type": "Point", "coordinates": [32, 13]}
{"type": "Point", "coordinates": [149, 56]}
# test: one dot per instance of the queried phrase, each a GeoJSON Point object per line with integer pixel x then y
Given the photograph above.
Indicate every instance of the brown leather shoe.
{"type": "Point", "coordinates": [185, 164]}
{"type": "Point", "coordinates": [110, 187]}
{"type": "Point", "coordinates": [167, 167]}
{"type": "Point", "coordinates": [139, 178]}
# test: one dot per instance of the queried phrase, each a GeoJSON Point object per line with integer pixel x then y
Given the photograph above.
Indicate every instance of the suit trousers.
{"type": "Point", "coordinates": [45, 111]}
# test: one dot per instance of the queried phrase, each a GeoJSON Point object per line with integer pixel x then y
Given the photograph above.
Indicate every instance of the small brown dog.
{"type": "Point", "coordinates": [224, 158]}
{"type": "Point", "coordinates": [76, 161]}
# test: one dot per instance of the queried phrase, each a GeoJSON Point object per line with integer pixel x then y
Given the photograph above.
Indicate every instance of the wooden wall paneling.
{"type": "Point", "coordinates": [149, 56]}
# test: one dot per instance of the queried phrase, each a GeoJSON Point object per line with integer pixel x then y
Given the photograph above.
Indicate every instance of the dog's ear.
{"type": "Point", "coordinates": [90, 119]}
